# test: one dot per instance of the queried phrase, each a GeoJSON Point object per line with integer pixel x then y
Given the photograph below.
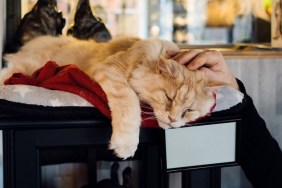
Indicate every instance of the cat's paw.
{"type": "Point", "coordinates": [124, 144]}
{"type": "Point", "coordinates": [172, 125]}
{"type": "Point", "coordinates": [163, 125]}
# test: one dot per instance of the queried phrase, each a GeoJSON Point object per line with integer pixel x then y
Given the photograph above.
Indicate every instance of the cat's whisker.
{"type": "Point", "coordinates": [144, 112]}
{"type": "Point", "coordinates": [150, 115]}
{"type": "Point", "coordinates": [150, 118]}
{"type": "Point", "coordinates": [146, 107]}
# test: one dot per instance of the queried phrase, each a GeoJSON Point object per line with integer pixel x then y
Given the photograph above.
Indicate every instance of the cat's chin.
{"type": "Point", "coordinates": [172, 125]}
{"type": "Point", "coordinates": [177, 124]}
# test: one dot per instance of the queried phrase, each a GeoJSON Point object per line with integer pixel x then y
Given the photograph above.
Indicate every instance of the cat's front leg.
{"type": "Point", "coordinates": [125, 111]}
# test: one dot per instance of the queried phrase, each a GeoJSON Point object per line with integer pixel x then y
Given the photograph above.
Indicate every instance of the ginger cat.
{"type": "Point", "coordinates": [129, 70]}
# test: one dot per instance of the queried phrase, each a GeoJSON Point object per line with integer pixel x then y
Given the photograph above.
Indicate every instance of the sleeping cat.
{"type": "Point", "coordinates": [129, 70]}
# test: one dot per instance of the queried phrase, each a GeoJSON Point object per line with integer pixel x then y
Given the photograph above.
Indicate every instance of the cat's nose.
{"type": "Point", "coordinates": [172, 119]}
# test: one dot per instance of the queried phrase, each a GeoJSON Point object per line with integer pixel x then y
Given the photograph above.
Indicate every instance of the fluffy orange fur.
{"type": "Point", "coordinates": [129, 70]}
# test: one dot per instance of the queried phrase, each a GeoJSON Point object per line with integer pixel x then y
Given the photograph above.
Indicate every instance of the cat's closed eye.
{"type": "Point", "coordinates": [185, 111]}
{"type": "Point", "coordinates": [169, 100]}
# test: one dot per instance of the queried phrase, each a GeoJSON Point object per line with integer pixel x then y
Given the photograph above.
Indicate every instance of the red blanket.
{"type": "Point", "coordinates": [71, 79]}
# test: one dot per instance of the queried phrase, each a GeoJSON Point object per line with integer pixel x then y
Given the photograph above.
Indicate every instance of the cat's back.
{"type": "Point", "coordinates": [62, 49]}
{"type": "Point", "coordinates": [49, 43]}
{"type": "Point", "coordinates": [70, 45]}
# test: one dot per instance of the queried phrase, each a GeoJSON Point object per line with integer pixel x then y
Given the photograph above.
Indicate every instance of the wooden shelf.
{"type": "Point", "coordinates": [252, 54]}
{"type": "Point", "coordinates": [241, 51]}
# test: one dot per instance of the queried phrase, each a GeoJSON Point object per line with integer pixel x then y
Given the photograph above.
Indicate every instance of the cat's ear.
{"type": "Point", "coordinates": [163, 65]}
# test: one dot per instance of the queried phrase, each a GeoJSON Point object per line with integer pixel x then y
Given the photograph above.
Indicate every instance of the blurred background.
{"type": "Point", "coordinates": [183, 21]}
{"type": "Point", "coordinates": [187, 22]}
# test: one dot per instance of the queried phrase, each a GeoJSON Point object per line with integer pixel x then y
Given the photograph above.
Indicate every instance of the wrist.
{"type": "Point", "coordinates": [232, 81]}
{"type": "Point", "coordinates": [235, 84]}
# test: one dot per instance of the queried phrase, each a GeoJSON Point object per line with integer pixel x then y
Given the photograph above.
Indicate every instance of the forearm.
{"type": "Point", "coordinates": [260, 155]}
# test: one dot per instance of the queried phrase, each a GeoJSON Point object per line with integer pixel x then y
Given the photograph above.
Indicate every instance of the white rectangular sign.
{"type": "Point", "coordinates": [200, 145]}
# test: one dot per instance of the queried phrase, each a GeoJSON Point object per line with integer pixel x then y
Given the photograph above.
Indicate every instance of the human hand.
{"type": "Point", "coordinates": [210, 62]}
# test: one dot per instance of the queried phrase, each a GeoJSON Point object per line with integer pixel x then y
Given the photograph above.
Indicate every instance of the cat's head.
{"type": "Point", "coordinates": [176, 94]}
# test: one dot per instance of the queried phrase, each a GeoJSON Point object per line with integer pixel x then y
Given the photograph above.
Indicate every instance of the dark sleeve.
{"type": "Point", "coordinates": [260, 154]}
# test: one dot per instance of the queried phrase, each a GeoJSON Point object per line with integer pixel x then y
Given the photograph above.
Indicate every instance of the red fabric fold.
{"type": "Point", "coordinates": [71, 79]}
